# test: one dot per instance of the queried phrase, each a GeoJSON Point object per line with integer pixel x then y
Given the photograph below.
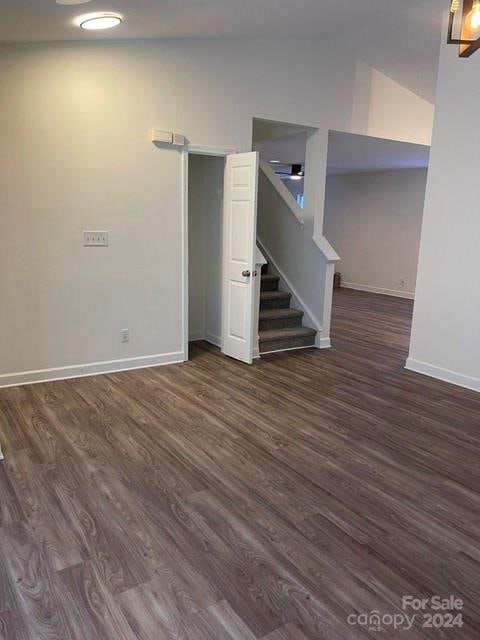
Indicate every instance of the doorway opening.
{"type": "Point", "coordinates": [220, 275]}
{"type": "Point", "coordinates": [290, 316]}
{"type": "Point", "coordinates": [205, 250]}
{"type": "Point", "coordinates": [374, 200]}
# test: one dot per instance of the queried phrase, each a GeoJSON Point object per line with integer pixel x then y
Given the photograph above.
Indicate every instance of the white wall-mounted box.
{"type": "Point", "coordinates": [178, 139]}
{"type": "Point", "coordinates": [159, 135]}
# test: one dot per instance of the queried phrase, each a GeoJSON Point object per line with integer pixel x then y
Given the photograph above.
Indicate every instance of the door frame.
{"type": "Point", "coordinates": [203, 150]}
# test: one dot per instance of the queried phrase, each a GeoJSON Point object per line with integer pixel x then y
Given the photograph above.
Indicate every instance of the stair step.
{"type": "Point", "coordinates": [279, 319]}
{"type": "Point", "coordinates": [290, 338]}
{"type": "Point", "coordinates": [269, 282]}
{"type": "Point", "coordinates": [270, 276]}
{"type": "Point", "coordinates": [274, 300]}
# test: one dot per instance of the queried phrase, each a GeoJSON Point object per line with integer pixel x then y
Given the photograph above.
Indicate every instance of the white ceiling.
{"type": "Point", "coordinates": [400, 37]}
{"type": "Point", "coordinates": [349, 153]}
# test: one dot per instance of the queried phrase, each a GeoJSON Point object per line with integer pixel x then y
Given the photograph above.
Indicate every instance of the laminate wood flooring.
{"type": "Point", "coordinates": [217, 501]}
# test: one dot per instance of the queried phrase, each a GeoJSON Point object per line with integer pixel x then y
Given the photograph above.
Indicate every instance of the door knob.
{"type": "Point", "coordinates": [246, 274]}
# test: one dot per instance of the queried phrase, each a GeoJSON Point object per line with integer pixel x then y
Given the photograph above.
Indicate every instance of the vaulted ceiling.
{"type": "Point", "coordinates": [399, 37]}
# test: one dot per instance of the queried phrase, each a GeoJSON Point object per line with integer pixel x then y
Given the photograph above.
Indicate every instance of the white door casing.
{"type": "Point", "coordinates": [239, 244]}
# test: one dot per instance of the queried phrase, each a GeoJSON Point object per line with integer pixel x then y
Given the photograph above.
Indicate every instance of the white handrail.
{"type": "Point", "coordinates": [321, 242]}
{"type": "Point", "coordinates": [326, 248]}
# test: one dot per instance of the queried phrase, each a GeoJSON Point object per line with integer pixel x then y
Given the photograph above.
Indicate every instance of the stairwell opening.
{"type": "Point", "coordinates": [284, 322]}
{"type": "Point", "coordinates": [284, 147]}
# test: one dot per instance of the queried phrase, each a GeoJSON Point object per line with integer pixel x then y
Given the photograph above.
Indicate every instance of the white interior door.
{"type": "Point", "coordinates": [239, 242]}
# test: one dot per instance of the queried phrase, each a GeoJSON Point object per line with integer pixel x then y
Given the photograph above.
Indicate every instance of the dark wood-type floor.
{"type": "Point", "coordinates": [216, 501]}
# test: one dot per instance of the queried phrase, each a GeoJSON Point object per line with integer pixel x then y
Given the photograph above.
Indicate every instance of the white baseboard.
{"type": "Point", "coordinates": [207, 337]}
{"type": "Point", "coordinates": [217, 342]}
{"type": "Point", "coordinates": [213, 339]}
{"type": "Point", "coordinates": [91, 369]}
{"type": "Point", "coordinates": [195, 336]}
{"type": "Point", "coordinates": [266, 353]}
{"type": "Point", "coordinates": [397, 293]}
{"type": "Point", "coordinates": [446, 375]}
{"type": "Point", "coordinates": [325, 343]}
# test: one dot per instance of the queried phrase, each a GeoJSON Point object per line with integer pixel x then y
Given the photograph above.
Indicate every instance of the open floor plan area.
{"type": "Point", "coordinates": [239, 320]}
{"type": "Point", "coordinates": [211, 500]}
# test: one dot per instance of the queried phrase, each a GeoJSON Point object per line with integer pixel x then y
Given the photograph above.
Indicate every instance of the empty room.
{"type": "Point", "coordinates": [239, 347]}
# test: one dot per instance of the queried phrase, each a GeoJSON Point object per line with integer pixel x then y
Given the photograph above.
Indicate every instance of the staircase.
{"type": "Point", "coordinates": [280, 327]}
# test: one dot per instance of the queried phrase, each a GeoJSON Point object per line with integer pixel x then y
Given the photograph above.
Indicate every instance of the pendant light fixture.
{"type": "Point", "coordinates": [464, 26]}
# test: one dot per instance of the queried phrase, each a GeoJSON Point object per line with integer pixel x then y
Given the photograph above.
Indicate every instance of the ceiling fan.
{"type": "Point", "coordinates": [296, 171]}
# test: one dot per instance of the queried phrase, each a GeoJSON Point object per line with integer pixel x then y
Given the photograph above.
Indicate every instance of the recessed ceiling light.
{"type": "Point", "coordinates": [274, 161]}
{"type": "Point", "coordinates": [96, 21]}
{"type": "Point", "coordinates": [70, 2]}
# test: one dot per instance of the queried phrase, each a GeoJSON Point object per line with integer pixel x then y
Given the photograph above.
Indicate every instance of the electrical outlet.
{"type": "Point", "coordinates": [402, 284]}
{"type": "Point", "coordinates": [125, 334]}
{"type": "Point", "coordinates": [95, 238]}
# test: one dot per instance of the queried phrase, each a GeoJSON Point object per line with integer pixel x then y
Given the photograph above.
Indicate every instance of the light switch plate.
{"type": "Point", "coordinates": [95, 238]}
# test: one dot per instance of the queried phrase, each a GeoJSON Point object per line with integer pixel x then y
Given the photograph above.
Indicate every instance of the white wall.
{"type": "Point", "coordinates": [446, 337]}
{"type": "Point", "coordinates": [205, 228]}
{"type": "Point", "coordinates": [374, 222]}
{"type": "Point", "coordinates": [384, 109]}
{"type": "Point", "coordinates": [76, 155]}
{"type": "Point", "coordinates": [296, 187]}
{"type": "Point", "coordinates": [197, 247]}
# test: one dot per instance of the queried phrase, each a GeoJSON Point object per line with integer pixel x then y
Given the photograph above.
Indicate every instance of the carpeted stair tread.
{"type": "Point", "coordinates": [281, 334]}
{"type": "Point", "coordinates": [280, 327]}
{"type": "Point", "coordinates": [280, 314]}
{"type": "Point", "coordinates": [275, 295]}
{"type": "Point", "coordinates": [269, 282]}
{"type": "Point", "coordinates": [274, 300]}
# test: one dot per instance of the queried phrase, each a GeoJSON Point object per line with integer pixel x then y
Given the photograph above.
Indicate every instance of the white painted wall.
{"type": "Point", "coordinates": [446, 337]}
{"type": "Point", "coordinates": [384, 109]}
{"type": "Point", "coordinates": [205, 227]}
{"type": "Point", "coordinates": [296, 187]}
{"type": "Point", "coordinates": [76, 155]}
{"type": "Point", "coordinates": [196, 249]}
{"type": "Point", "coordinates": [374, 222]}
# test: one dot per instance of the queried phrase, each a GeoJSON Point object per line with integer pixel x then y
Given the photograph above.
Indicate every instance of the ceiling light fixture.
{"type": "Point", "coordinates": [97, 21]}
{"type": "Point", "coordinates": [72, 2]}
{"type": "Point", "coordinates": [464, 26]}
